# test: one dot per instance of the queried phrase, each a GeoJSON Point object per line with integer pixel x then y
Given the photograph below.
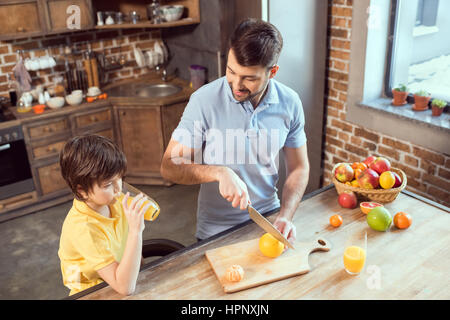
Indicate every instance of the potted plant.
{"type": "Point", "coordinates": [400, 94]}
{"type": "Point", "coordinates": [421, 99]}
{"type": "Point", "coordinates": [437, 106]}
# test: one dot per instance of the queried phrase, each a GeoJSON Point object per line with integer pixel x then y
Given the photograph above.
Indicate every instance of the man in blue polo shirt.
{"type": "Point", "coordinates": [230, 135]}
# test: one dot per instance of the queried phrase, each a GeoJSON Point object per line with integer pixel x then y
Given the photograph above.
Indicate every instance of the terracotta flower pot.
{"type": "Point", "coordinates": [399, 97]}
{"type": "Point", "coordinates": [421, 103]}
{"type": "Point", "coordinates": [436, 111]}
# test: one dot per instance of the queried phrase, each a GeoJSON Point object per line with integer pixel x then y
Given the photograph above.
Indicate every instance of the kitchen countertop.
{"type": "Point", "coordinates": [401, 264]}
{"type": "Point", "coordinates": [183, 95]}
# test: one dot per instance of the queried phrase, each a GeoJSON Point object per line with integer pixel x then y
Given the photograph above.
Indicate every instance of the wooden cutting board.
{"type": "Point", "coordinates": [259, 269]}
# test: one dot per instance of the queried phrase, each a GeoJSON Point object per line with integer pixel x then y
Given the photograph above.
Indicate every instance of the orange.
{"type": "Point", "coordinates": [367, 206]}
{"type": "Point", "coordinates": [359, 165]}
{"type": "Point", "coordinates": [336, 220]}
{"type": "Point", "coordinates": [402, 220]}
{"type": "Point", "coordinates": [235, 273]}
{"type": "Point", "coordinates": [355, 183]}
{"type": "Point", "coordinates": [387, 180]}
{"type": "Point", "coordinates": [269, 246]}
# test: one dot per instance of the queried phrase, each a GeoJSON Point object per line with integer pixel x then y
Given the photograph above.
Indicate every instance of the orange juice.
{"type": "Point", "coordinates": [152, 212]}
{"type": "Point", "coordinates": [354, 259]}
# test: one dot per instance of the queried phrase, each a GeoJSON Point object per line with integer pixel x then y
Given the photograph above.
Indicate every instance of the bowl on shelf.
{"type": "Point", "coordinates": [74, 99]}
{"type": "Point", "coordinates": [55, 102]}
{"type": "Point", "coordinates": [172, 12]}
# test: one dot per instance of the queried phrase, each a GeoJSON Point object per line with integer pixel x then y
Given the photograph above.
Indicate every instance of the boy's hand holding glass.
{"type": "Point", "coordinates": [134, 211]}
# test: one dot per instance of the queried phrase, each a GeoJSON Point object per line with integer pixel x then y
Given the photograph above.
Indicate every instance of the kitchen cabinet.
{"type": "Point", "coordinates": [25, 18]}
{"type": "Point", "coordinates": [56, 15]}
{"type": "Point", "coordinates": [96, 121]}
{"type": "Point", "coordinates": [144, 132]}
{"type": "Point", "coordinates": [44, 140]}
{"type": "Point", "coordinates": [20, 19]}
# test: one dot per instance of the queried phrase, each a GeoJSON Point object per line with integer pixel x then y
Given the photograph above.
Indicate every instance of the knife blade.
{"type": "Point", "coordinates": [267, 226]}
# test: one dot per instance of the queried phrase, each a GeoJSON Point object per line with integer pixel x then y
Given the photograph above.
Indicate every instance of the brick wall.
{"type": "Point", "coordinates": [112, 43]}
{"type": "Point", "coordinates": [428, 171]}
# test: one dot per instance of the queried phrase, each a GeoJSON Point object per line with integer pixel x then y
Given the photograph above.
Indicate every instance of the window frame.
{"type": "Point", "coordinates": [388, 85]}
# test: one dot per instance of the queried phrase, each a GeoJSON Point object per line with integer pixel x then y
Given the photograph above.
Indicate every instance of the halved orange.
{"type": "Point", "coordinates": [367, 206]}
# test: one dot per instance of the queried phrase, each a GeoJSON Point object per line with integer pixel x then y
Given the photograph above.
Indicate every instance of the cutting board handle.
{"type": "Point", "coordinates": [320, 244]}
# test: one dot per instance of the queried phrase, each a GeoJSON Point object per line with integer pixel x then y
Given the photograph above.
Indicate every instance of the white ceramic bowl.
{"type": "Point", "coordinates": [74, 99]}
{"type": "Point", "coordinates": [77, 93]}
{"type": "Point", "coordinates": [55, 102]}
{"type": "Point", "coordinates": [93, 91]}
{"type": "Point", "coordinates": [172, 12]}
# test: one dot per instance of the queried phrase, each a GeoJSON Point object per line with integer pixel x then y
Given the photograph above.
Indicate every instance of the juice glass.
{"type": "Point", "coordinates": [355, 253]}
{"type": "Point", "coordinates": [153, 210]}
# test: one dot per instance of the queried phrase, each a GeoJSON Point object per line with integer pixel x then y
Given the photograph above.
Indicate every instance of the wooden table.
{"type": "Point", "coordinates": [401, 264]}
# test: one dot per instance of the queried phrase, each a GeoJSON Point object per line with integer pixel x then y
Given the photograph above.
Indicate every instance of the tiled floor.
{"type": "Point", "coordinates": [29, 263]}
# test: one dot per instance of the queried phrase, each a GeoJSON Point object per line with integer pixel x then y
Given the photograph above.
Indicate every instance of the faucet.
{"type": "Point", "coordinates": [164, 71]}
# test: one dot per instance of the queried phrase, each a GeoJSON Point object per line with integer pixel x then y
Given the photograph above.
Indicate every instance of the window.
{"type": "Point", "coordinates": [419, 47]}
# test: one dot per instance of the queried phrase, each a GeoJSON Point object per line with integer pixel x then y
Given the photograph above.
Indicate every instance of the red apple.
{"type": "Point", "coordinates": [380, 165]}
{"type": "Point", "coordinates": [368, 179]}
{"type": "Point", "coordinates": [347, 199]}
{"type": "Point", "coordinates": [398, 180]}
{"type": "Point", "coordinates": [369, 160]}
{"type": "Point", "coordinates": [344, 173]}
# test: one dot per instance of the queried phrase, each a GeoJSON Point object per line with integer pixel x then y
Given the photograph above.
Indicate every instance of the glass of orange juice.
{"type": "Point", "coordinates": [355, 253]}
{"type": "Point", "coordinates": [153, 210]}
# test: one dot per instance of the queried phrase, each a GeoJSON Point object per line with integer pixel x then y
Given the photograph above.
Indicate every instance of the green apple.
{"type": "Point", "coordinates": [379, 219]}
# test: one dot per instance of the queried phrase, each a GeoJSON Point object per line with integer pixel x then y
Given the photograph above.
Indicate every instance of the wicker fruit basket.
{"type": "Point", "coordinates": [378, 195]}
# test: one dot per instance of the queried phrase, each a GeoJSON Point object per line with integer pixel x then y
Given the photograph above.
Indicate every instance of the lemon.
{"type": "Point", "coordinates": [387, 180]}
{"type": "Point", "coordinates": [269, 246]}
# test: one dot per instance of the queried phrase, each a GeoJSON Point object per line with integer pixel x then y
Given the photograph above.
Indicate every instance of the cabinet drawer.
{"type": "Point", "coordinates": [50, 128]}
{"type": "Point", "coordinates": [48, 150]}
{"type": "Point", "coordinates": [92, 118]}
{"type": "Point", "coordinates": [50, 178]}
{"type": "Point", "coordinates": [108, 133]}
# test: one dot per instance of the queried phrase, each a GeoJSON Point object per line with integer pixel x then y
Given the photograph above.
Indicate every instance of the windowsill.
{"type": "Point", "coordinates": [420, 117]}
{"type": "Point", "coordinates": [424, 30]}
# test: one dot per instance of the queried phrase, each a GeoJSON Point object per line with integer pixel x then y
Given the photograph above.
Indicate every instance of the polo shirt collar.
{"type": "Point", "coordinates": [83, 208]}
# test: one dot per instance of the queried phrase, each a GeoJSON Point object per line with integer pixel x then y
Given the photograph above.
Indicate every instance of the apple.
{"type": "Point", "coordinates": [347, 199]}
{"type": "Point", "coordinates": [344, 173]}
{"type": "Point", "coordinates": [380, 165]}
{"type": "Point", "coordinates": [398, 180]}
{"type": "Point", "coordinates": [369, 160]}
{"type": "Point", "coordinates": [368, 179]}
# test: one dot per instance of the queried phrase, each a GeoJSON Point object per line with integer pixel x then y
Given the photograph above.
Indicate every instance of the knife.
{"type": "Point", "coordinates": [267, 226]}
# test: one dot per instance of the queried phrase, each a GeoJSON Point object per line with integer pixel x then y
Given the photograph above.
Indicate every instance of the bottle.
{"type": "Point", "coordinates": [12, 90]}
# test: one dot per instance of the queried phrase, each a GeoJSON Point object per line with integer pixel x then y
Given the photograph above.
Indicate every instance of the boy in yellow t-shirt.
{"type": "Point", "coordinates": [101, 238]}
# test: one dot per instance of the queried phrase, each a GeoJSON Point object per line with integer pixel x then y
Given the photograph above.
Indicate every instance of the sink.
{"type": "Point", "coordinates": [143, 90]}
{"type": "Point", "coordinates": [158, 90]}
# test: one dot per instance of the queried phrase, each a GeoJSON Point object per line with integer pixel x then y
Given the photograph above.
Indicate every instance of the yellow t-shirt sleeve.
{"type": "Point", "coordinates": [95, 248]}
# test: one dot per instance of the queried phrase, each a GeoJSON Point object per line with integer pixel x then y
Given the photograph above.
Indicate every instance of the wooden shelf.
{"type": "Point", "coordinates": [148, 24]}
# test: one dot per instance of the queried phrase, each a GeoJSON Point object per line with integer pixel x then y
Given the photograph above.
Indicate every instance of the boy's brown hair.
{"type": "Point", "coordinates": [89, 159]}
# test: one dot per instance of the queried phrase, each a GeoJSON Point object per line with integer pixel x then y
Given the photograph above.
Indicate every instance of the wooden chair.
{"type": "Point", "coordinates": [154, 247]}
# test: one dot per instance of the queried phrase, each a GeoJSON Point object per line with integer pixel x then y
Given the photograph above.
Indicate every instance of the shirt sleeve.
{"type": "Point", "coordinates": [95, 248]}
{"type": "Point", "coordinates": [296, 136]}
{"type": "Point", "coordinates": [189, 131]}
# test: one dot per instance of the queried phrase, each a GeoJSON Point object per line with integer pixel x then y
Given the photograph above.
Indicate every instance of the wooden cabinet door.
{"type": "Point", "coordinates": [59, 14]}
{"type": "Point", "coordinates": [50, 178]}
{"type": "Point", "coordinates": [141, 138]}
{"type": "Point", "coordinates": [20, 19]}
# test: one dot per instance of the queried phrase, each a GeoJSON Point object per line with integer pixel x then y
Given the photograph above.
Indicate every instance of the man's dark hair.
{"type": "Point", "coordinates": [89, 159]}
{"type": "Point", "coordinates": [256, 42]}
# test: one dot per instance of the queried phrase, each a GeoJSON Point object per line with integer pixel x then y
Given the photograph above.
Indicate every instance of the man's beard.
{"type": "Point", "coordinates": [250, 96]}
